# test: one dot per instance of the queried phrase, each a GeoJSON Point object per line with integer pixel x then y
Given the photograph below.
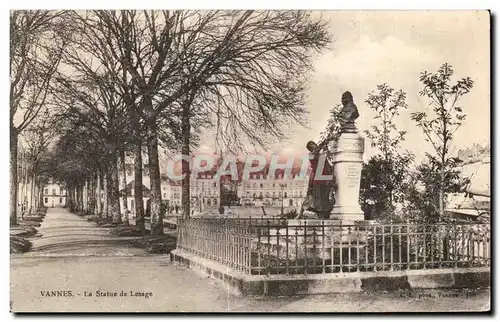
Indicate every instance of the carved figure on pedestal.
{"type": "Point", "coordinates": [348, 114]}
{"type": "Point", "coordinates": [319, 190]}
{"type": "Point", "coordinates": [319, 195]}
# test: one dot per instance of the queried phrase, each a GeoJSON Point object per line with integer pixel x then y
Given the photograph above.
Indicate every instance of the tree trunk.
{"type": "Point", "coordinates": [86, 197]}
{"type": "Point", "coordinates": [186, 152]}
{"type": "Point", "coordinates": [13, 176]}
{"type": "Point", "coordinates": [106, 184]}
{"type": "Point", "coordinates": [441, 201]}
{"type": "Point", "coordinates": [138, 194]}
{"type": "Point", "coordinates": [70, 198]}
{"type": "Point", "coordinates": [124, 185]}
{"type": "Point", "coordinates": [98, 195]}
{"type": "Point", "coordinates": [154, 175]}
{"type": "Point", "coordinates": [35, 195]}
{"type": "Point", "coordinates": [93, 194]}
{"type": "Point", "coordinates": [114, 191]}
{"type": "Point", "coordinates": [81, 201]}
{"type": "Point", "coordinates": [40, 195]}
{"type": "Point", "coordinates": [90, 195]}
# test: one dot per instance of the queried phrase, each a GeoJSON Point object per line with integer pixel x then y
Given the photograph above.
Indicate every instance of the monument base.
{"type": "Point", "coordinates": [344, 213]}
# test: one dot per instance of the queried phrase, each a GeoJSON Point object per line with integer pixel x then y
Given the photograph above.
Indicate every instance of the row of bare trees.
{"type": "Point", "coordinates": [128, 82]}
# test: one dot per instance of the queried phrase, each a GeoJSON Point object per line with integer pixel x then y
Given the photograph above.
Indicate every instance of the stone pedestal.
{"type": "Point", "coordinates": [348, 159]}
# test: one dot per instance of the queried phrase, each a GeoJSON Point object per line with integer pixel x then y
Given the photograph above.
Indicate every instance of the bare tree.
{"type": "Point", "coordinates": [36, 139]}
{"type": "Point", "coordinates": [246, 72]}
{"type": "Point", "coordinates": [35, 52]}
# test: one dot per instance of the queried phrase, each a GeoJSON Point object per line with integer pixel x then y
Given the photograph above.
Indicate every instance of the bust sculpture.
{"type": "Point", "coordinates": [349, 113]}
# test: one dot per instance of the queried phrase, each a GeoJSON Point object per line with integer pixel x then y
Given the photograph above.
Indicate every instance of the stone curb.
{"type": "Point", "coordinates": [241, 284]}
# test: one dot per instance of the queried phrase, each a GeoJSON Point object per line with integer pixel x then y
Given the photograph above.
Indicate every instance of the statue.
{"type": "Point", "coordinates": [318, 198]}
{"type": "Point", "coordinates": [348, 114]}
{"type": "Point", "coordinates": [318, 192]}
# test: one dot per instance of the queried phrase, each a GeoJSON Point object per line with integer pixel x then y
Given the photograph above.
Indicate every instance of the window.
{"type": "Point", "coordinates": [274, 193]}
{"type": "Point", "coordinates": [46, 192]}
{"type": "Point", "coordinates": [60, 200]}
{"type": "Point", "coordinates": [274, 185]}
{"type": "Point", "coordinates": [164, 195]}
{"type": "Point", "coordinates": [254, 185]}
{"type": "Point", "coordinates": [254, 195]}
{"type": "Point", "coordinates": [261, 185]}
{"type": "Point", "coordinates": [54, 192]}
{"type": "Point", "coordinates": [46, 200]}
{"type": "Point", "coordinates": [215, 184]}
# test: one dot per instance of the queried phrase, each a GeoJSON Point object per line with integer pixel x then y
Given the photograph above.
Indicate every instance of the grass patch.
{"type": "Point", "coordinates": [22, 231]}
{"type": "Point", "coordinates": [127, 231]}
{"type": "Point", "coordinates": [26, 223]}
{"type": "Point", "coordinates": [19, 245]}
{"type": "Point", "coordinates": [163, 244]}
{"type": "Point", "coordinates": [36, 218]}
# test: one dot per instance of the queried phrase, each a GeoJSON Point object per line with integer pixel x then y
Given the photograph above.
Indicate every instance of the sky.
{"type": "Point", "coordinates": [394, 47]}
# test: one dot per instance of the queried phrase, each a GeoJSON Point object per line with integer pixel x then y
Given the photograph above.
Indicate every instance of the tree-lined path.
{"type": "Point", "coordinates": [67, 234]}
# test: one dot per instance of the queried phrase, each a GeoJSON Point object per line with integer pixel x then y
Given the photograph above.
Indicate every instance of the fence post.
{"type": "Point", "coordinates": [357, 247]}
{"type": "Point", "coordinates": [287, 242]}
{"type": "Point", "coordinates": [425, 245]}
{"type": "Point", "coordinates": [278, 250]}
{"type": "Point", "coordinates": [383, 245]}
{"type": "Point", "coordinates": [391, 268]}
{"type": "Point", "coordinates": [314, 249]}
{"type": "Point", "coordinates": [340, 246]}
{"type": "Point", "coordinates": [322, 252]}
{"type": "Point", "coordinates": [268, 229]}
{"type": "Point", "coordinates": [349, 249]}
{"type": "Point", "coordinates": [408, 254]}
{"type": "Point", "coordinates": [456, 243]}
{"type": "Point", "coordinates": [305, 246]}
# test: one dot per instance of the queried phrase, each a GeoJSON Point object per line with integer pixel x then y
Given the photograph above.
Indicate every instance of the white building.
{"type": "Point", "coordinates": [54, 195]}
{"type": "Point", "coordinates": [287, 192]}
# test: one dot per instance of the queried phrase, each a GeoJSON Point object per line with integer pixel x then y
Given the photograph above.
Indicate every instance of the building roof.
{"type": "Point", "coordinates": [146, 192]}
{"type": "Point", "coordinates": [479, 175]}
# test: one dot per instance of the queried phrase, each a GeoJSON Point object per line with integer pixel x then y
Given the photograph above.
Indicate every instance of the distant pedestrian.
{"type": "Point", "coordinates": [221, 210]}
{"type": "Point", "coordinates": [176, 209]}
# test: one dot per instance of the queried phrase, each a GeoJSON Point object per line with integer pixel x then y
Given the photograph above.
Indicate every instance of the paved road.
{"type": "Point", "coordinates": [77, 256]}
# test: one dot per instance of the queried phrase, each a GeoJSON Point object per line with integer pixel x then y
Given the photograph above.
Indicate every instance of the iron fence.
{"type": "Point", "coordinates": [274, 246]}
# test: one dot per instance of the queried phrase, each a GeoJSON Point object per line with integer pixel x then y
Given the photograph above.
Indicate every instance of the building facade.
{"type": "Point", "coordinates": [54, 195]}
{"type": "Point", "coordinates": [259, 190]}
{"type": "Point", "coordinates": [208, 192]}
